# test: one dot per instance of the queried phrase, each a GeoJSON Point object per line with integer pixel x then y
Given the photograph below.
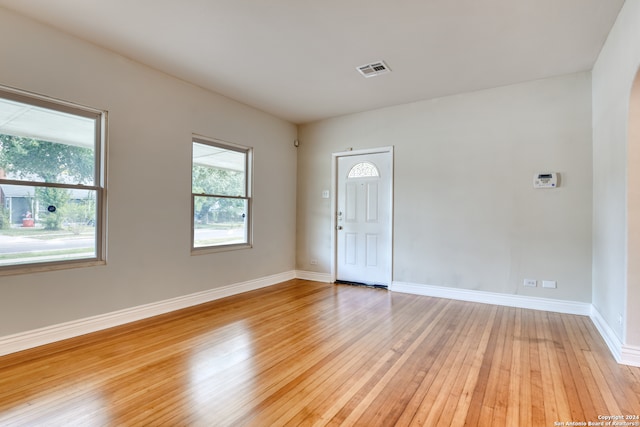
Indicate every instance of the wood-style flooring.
{"type": "Point", "coordinates": [306, 353]}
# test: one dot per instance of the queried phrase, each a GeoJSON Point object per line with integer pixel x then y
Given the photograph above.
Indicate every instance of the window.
{"type": "Point", "coordinates": [221, 195]}
{"type": "Point", "coordinates": [51, 182]}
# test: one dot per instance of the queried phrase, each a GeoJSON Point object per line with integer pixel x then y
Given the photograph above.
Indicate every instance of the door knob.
{"type": "Point", "coordinates": [339, 227]}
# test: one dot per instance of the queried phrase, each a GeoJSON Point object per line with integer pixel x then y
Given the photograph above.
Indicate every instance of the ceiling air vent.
{"type": "Point", "coordinates": [373, 69]}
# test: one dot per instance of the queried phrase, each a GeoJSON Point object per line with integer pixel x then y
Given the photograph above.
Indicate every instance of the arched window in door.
{"type": "Point", "coordinates": [364, 170]}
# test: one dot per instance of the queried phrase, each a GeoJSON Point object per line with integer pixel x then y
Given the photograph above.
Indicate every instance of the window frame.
{"type": "Point", "coordinates": [248, 152]}
{"type": "Point", "coordinates": [99, 179]}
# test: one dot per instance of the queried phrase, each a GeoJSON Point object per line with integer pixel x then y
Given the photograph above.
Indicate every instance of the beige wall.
{"type": "Point", "coordinates": [615, 186]}
{"type": "Point", "coordinates": [466, 213]}
{"type": "Point", "coordinates": [152, 117]}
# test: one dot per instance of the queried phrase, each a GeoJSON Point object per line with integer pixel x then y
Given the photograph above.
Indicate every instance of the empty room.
{"type": "Point", "coordinates": [230, 213]}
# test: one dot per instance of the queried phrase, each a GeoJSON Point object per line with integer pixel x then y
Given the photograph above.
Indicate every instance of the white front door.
{"type": "Point", "coordinates": [363, 218]}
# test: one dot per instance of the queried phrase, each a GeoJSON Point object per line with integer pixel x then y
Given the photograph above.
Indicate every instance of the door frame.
{"type": "Point", "coordinates": [334, 205]}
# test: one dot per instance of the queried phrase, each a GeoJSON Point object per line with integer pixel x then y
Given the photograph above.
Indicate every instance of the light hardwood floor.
{"type": "Point", "coordinates": [305, 353]}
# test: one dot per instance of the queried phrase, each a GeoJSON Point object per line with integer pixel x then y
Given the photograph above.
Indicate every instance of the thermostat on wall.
{"type": "Point", "coordinates": [545, 180]}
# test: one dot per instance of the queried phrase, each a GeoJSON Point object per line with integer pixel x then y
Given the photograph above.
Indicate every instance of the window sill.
{"type": "Point", "coordinates": [216, 249]}
{"type": "Point", "coordinates": [51, 266]}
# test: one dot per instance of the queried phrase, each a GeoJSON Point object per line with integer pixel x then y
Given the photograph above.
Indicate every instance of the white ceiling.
{"type": "Point", "coordinates": [297, 59]}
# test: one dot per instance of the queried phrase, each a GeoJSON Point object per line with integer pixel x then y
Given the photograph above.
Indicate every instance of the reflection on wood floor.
{"type": "Point", "coordinates": [306, 353]}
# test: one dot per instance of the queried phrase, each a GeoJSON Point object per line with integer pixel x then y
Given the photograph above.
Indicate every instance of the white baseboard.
{"type": "Point", "coordinates": [607, 334]}
{"type": "Point", "coordinates": [534, 303]}
{"type": "Point", "coordinates": [624, 354]}
{"type": "Point", "coordinates": [313, 276]}
{"type": "Point", "coordinates": [34, 338]}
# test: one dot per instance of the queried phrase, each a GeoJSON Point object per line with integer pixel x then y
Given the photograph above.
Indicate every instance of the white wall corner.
{"type": "Point", "coordinates": [313, 276]}
{"type": "Point", "coordinates": [518, 301]}
{"type": "Point", "coordinates": [630, 355]}
{"type": "Point", "coordinates": [609, 336]}
{"type": "Point", "coordinates": [49, 334]}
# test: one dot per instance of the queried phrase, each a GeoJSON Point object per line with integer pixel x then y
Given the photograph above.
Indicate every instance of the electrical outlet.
{"type": "Point", "coordinates": [313, 262]}
{"type": "Point", "coordinates": [549, 284]}
{"type": "Point", "coordinates": [530, 283]}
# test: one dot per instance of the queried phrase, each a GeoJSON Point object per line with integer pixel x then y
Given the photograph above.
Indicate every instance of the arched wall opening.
{"type": "Point", "coordinates": [632, 324]}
